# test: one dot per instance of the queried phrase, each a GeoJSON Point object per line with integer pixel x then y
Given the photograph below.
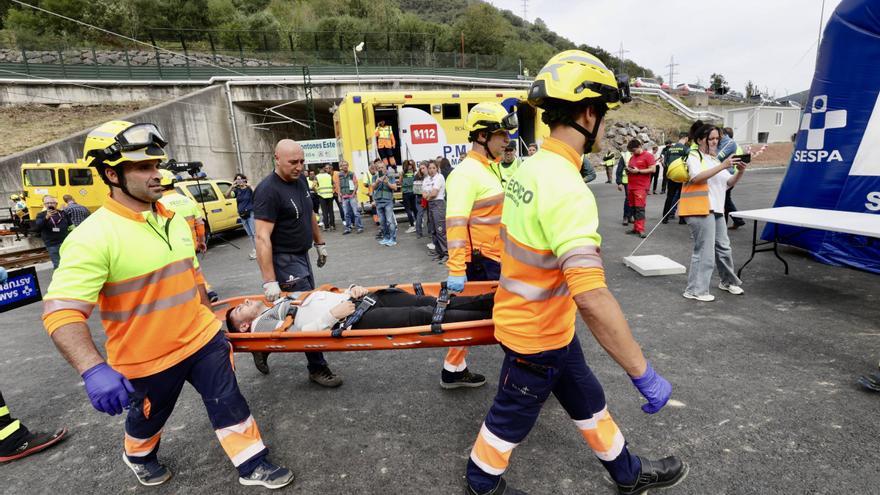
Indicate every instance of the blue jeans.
{"type": "Point", "coordinates": [387, 221]}
{"type": "Point", "coordinates": [352, 213]}
{"type": "Point", "coordinates": [526, 382]}
{"type": "Point", "coordinates": [54, 254]}
{"type": "Point", "coordinates": [711, 250]}
{"type": "Point", "coordinates": [249, 227]}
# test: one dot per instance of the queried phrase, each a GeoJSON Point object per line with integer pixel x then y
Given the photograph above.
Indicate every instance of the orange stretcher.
{"type": "Point", "coordinates": [467, 333]}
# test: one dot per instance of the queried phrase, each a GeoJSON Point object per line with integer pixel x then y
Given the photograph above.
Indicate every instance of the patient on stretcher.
{"type": "Point", "coordinates": [322, 310]}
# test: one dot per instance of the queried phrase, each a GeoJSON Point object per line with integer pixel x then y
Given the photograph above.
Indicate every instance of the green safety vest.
{"type": "Point", "coordinates": [325, 185]}
{"type": "Point", "coordinates": [382, 192]}
{"type": "Point", "coordinates": [346, 183]}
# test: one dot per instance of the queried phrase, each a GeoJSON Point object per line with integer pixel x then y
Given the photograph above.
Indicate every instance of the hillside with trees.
{"type": "Point", "coordinates": [424, 26]}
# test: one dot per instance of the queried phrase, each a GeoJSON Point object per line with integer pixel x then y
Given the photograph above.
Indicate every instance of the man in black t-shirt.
{"type": "Point", "coordinates": [286, 229]}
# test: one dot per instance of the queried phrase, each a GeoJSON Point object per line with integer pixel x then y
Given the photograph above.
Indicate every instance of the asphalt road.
{"type": "Point", "coordinates": [766, 383]}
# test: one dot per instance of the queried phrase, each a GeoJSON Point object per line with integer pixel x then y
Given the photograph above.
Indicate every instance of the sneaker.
{"type": "Point", "coordinates": [213, 296]}
{"type": "Point", "coordinates": [360, 231]}
{"type": "Point", "coordinates": [870, 383]}
{"type": "Point", "coordinates": [733, 289]}
{"type": "Point", "coordinates": [662, 473]}
{"type": "Point", "coordinates": [500, 489]}
{"type": "Point", "coordinates": [643, 235]}
{"type": "Point", "coordinates": [681, 221]}
{"type": "Point", "coordinates": [253, 255]}
{"type": "Point", "coordinates": [410, 230]}
{"type": "Point", "coordinates": [34, 442]}
{"type": "Point", "coordinates": [430, 246]}
{"type": "Point", "coordinates": [384, 242]}
{"type": "Point", "coordinates": [391, 243]}
{"type": "Point", "coordinates": [150, 474]}
{"type": "Point", "coordinates": [443, 259]}
{"type": "Point", "coordinates": [450, 380]}
{"type": "Point", "coordinates": [625, 222]}
{"type": "Point", "coordinates": [261, 361]}
{"type": "Point", "coordinates": [268, 475]}
{"type": "Point", "coordinates": [703, 298]}
{"type": "Point", "coordinates": [346, 232]}
{"type": "Point", "coordinates": [325, 378]}
{"type": "Point", "coordinates": [633, 232]}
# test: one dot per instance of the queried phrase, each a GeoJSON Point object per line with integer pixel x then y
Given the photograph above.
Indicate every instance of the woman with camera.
{"type": "Point", "coordinates": [244, 195]}
{"type": "Point", "coordinates": [702, 206]}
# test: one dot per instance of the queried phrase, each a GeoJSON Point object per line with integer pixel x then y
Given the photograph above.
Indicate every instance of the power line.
{"type": "Point", "coordinates": [672, 65]}
{"type": "Point", "coordinates": [525, 8]}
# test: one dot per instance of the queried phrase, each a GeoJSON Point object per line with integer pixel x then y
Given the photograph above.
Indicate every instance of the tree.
{"type": "Point", "coordinates": [718, 84]}
{"type": "Point", "coordinates": [484, 30]}
{"type": "Point", "coordinates": [752, 89]}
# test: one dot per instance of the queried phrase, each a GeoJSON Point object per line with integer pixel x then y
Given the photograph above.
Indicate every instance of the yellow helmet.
{"type": "Point", "coordinates": [15, 197]}
{"type": "Point", "coordinates": [575, 75]}
{"type": "Point", "coordinates": [492, 117]}
{"type": "Point", "coordinates": [166, 177]}
{"type": "Point", "coordinates": [119, 141]}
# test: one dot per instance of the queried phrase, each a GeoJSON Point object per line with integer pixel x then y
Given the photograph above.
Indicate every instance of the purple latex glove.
{"type": "Point", "coordinates": [655, 388]}
{"type": "Point", "coordinates": [108, 389]}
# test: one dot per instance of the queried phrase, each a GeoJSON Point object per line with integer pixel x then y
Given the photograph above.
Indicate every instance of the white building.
{"type": "Point", "coordinates": [763, 124]}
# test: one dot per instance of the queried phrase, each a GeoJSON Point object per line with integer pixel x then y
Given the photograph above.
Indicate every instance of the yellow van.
{"type": "Point", "coordinates": [57, 179]}
{"type": "Point", "coordinates": [216, 199]}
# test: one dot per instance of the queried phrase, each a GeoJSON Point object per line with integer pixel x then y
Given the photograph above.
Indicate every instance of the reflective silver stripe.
{"type": "Point", "coordinates": [490, 201]}
{"type": "Point", "coordinates": [53, 305]}
{"type": "Point", "coordinates": [486, 220]}
{"type": "Point", "coordinates": [530, 292]}
{"type": "Point", "coordinates": [456, 222]}
{"type": "Point", "coordinates": [586, 60]}
{"type": "Point", "coordinates": [138, 155]}
{"type": "Point", "coordinates": [97, 133]}
{"type": "Point", "coordinates": [551, 68]}
{"type": "Point", "coordinates": [581, 257]}
{"type": "Point", "coordinates": [456, 244]}
{"type": "Point", "coordinates": [694, 194]}
{"type": "Point", "coordinates": [171, 269]}
{"type": "Point", "coordinates": [158, 305]}
{"type": "Point", "coordinates": [544, 261]}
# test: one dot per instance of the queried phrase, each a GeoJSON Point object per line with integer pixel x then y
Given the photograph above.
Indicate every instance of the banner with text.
{"type": "Point", "coordinates": [20, 289]}
{"type": "Point", "coordinates": [320, 151]}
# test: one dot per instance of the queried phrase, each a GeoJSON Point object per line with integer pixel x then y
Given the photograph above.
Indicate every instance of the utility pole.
{"type": "Point", "coordinates": [620, 54]}
{"type": "Point", "coordinates": [525, 4]}
{"type": "Point", "coordinates": [672, 65]}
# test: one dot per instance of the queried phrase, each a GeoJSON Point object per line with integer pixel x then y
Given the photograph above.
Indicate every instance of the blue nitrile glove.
{"type": "Point", "coordinates": [3, 275]}
{"type": "Point", "coordinates": [655, 388]}
{"type": "Point", "coordinates": [107, 388]}
{"type": "Point", "coordinates": [456, 284]}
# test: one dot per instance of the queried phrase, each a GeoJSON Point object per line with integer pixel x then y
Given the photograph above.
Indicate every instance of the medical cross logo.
{"type": "Point", "coordinates": [821, 120]}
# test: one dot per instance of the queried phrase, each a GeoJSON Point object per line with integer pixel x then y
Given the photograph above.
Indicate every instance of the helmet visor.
{"type": "Point", "coordinates": [510, 122]}
{"type": "Point", "coordinates": [140, 136]}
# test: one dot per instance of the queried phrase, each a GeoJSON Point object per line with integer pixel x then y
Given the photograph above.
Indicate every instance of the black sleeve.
{"type": "Point", "coordinates": [39, 221]}
{"type": "Point", "coordinates": [265, 204]}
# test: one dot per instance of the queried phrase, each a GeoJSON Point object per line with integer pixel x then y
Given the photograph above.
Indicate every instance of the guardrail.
{"type": "Point", "coordinates": [677, 104]}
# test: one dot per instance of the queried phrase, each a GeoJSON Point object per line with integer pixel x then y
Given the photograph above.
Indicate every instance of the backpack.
{"type": "Point", "coordinates": [677, 171]}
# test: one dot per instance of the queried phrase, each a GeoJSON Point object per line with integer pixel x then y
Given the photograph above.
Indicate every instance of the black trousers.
{"type": "Point", "coordinates": [672, 195]}
{"type": "Point", "coordinates": [397, 309]}
{"type": "Point", "coordinates": [729, 208]}
{"type": "Point", "coordinates": [16, 436]}
{"type": "Point", "coordinates": [327, 211]}
{"type": "Point", "coordinates": [316, 203]}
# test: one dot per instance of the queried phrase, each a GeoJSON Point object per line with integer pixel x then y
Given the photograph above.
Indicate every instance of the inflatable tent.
{"type": "Point", "coordinates": [836, 160]}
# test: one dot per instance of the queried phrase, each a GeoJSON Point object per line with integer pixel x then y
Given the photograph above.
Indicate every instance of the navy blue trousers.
{"type": "Point", "coordinates": [210, 371]}
{"type": "Point", "coordinates": [482, 268]}
{"type": "Point", "coordinates": [526, 382]}
{"type": "Point", "coordinates": [296, 270]}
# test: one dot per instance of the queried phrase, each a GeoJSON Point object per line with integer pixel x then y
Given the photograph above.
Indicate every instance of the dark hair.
{"type": "Point", "coordinates": [230, 323]}
{"type": "Point", "coordinates": [705, 131]}
{"type": "Point", "coordinates": [377, 160]}
{"type": "Point", "coordinates": [633, 144]}
{"type": "Point", "coordinates": [728, 131]}
{"type": "Point", "coordinates": [561, 112]}
{"type": "Point", "coordinates": [667, 143]}
{"type": "Point", "coordinates": [241, 176]}
{"type": "Point", "coordinates": [445, 164]}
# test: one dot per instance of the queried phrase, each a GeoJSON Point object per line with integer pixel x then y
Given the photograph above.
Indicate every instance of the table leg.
{"type": "Point", "coordinates": [754, 249]}
{"type": "Point", "coordinates": [775, 245]}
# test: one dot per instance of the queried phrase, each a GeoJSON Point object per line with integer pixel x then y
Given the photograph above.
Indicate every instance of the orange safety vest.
{"type": "Point", "coordinates": [385, 137]}
{"type": "Point", "coordinates": [694, 198]}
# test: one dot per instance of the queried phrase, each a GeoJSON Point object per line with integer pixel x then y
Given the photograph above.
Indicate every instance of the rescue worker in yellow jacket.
{"type": "Point", "coordinates": [551, 269]}
{"type": "Point", "coordinates": [385, 142]}
{"type": "Point", "coordinates": [474, 195]}
{"type": "Point", "coordinates": [134, 259]}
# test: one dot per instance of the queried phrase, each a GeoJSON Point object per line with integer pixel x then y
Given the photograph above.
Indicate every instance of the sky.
{"type": "Point", "coordinates": [771, 42]}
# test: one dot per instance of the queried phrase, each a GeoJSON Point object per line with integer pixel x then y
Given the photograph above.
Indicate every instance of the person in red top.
{"type": "Point", "coordinates": [639, 170]}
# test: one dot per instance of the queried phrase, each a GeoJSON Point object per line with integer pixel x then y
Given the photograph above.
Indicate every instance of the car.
{"type": "Point", "coordinates": [646, 82]}
{"type": "Point", "coordinates": [216, 199]}
{"type": "Point", "coordinates": [665, 87]}
{"type": "Point", "coordinates": [688, 88]}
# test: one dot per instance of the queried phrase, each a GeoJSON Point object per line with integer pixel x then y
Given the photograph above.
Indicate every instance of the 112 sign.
{"type": "Point", "coordinates": [423, 133]}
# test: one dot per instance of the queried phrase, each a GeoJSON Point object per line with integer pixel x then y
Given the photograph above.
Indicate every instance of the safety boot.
{"type": "Point", "coordinates": [500, 489]}
{"type": "Point", "coordinates": [662, 473]}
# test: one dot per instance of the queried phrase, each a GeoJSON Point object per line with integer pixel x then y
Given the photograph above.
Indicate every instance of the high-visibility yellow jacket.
{"type": "Point", "coordinates": [325, 185]}
{"type": "Point", "coordinates": [385, 137]}
{"type": "Point", "coordinates": [508, 170]}
{"type": "Point", "coordinates": [188, 209]}
{"type": "Point", "coordinates": [474, 198]}
{"type": "Point", "coordinates": [551, 251]}
{"type": "Point", "coordinates": [140, 269]}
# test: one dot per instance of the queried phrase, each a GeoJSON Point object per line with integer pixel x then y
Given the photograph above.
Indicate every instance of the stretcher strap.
{"type": "Point", "coordinates": [440, 309]}
{"type": "Point", "coordinates": [366, 303]}
{"type": "Point", "coordinates": [418, 289]}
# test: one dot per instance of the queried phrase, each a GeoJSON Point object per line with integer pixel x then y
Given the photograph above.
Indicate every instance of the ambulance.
{"type": "Point", "coordinates": [426, 124]}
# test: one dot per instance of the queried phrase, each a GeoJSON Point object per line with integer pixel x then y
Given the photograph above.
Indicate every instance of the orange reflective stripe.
{"type": "Point", "coordinates": [141, 447]}
{"type": "Point", "coordinates": [498, 199]}
{"type": "Point", "coordinates": [493, 220]}
{"type": "Point", "coordinates": [112, 289]}
{"type": "Point", "coordinates": [455, 222]}
{"type": "Point", "coordinates": [581, 257]}
{"type": "Point", "coordinates": [242, 441]}
{"type": "Point", "coordinates": [455, 359]}
{"type": "Point", "coordinates": [544, 259]}
{"type": "Point", "coordinates": [582, 280]}
{"type": "Point", "coordinates": [490, 453]}
{"type": "Point", "coordinates": [603, 435]}
{"type": "Point", "coordinates": [456, 244]}
{"type": "Point", "coordinates": [151, 307]}
{"type": "Point", "coordinates": [52, 305]}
